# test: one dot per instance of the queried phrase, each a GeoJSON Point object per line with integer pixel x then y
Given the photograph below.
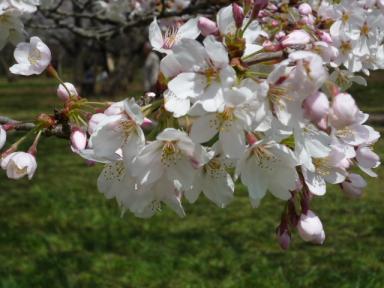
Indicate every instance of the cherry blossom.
{"type": "Point", "coordinates": [19, 164]}
{"type": "Point", "coordinates": [253, 95]}
{"type": "Point", "coordinates": [32, 58]}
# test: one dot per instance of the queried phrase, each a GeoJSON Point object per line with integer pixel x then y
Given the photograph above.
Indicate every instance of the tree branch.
{"type": "Point", "coordinates": [57, 131]}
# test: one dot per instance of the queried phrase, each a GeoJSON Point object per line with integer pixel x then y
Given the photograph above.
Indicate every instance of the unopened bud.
{"type": "Point", "coordinates": [238, 15]}
{"type": "Point", "coordinates": [310, 228]}
{"type": "Point", "coordinates": [297, 37]}
{"type": "Point", "coordinates": [62, 91]}
{"type": "Point", "coordinates": [258, 5]}
{"type": "Point", "coordinates": [280, 35]}
{"type": "Point", "coordinates": [344, 110]}
{"type": "Point", "coordinates": [146, 123]}
{"type": "Point", "coordinates": [284, 239]}
{"type": "Point", "coordinates": [207, 26]}
{"type": "Point", "coordinates": [324, 36]}
{"type": "Point", "coordinates": [251, 138]}
{"type": "Point", "coordinates": [305, 9]}
{"type": "Point", "coordinates": [78, 139]}
{"type": "Point", "coordinates": [316, 106]}
{"type": "Point", "coordinates": [353, 186]}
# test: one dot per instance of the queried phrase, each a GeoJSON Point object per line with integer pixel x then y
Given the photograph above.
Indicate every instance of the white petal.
{"type": "Point", "coordinates": [205, 128]}
{"type": "Point", "coordinates": [188, 85]}
{"type": "Point", "coordinates": [216, 51]}
{"type": "Point", "coordinates": [178, 106]}
{"type": "Point", "coordinates": [155, 35]}
{"type": "Point", "coordinates": [316, 183]}
{"type": "Point", "coordinates": [189, 30]}
{"type": "Point", "coordinates": [232, 139]}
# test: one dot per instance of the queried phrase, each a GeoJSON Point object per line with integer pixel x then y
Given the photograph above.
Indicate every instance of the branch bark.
{"type": "Point", "coordinates": [57, 131]}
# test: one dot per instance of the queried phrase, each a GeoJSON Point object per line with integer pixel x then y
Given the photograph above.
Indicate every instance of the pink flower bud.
{"type": "Point", "coordinates": [275, 23]}
{"type": "Point", "coordinates": [258, 5]}
{"type": "Point", "coordinates": [284, 239]}
{"type": "Point", "coordinates": [305, 9]}
{"type": "Point", "coordinates": [316, 107]}
{"type": "Point", "coordinates": [367, 158]}
{"type": "Point", "coordinates": [62, 93]}
{"type": "Point", "coordinates": [297, 37]}
{"type": "Point", "coordinates": [78, 139]}
{"type": "Point", "coordinates": [207, 26]}
{"type": "Point", "coordinates": [19, 164]}
{"type": "Point", "coordinates": [308, 20]}
{"type": "Point", "coordinates": [324, 36]}
{"type": "Point", "coordinates": [310, 228]}
{"type": "Point", "coordinates": [251, 138]}
{"type": "Point", "coordinates": [344, 111]}
{"type": "Point", "coordinates": [354, 185]}
{"type": "Point", "coordinates": [146, 123]}
{"type": "Point", "coordinates": [280, 36]}
{"type": "Point", "coordinates": [238, 15]}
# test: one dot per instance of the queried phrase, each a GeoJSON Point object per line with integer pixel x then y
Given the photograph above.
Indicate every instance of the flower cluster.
{"type": "Point", "coordinates": [257, 96]}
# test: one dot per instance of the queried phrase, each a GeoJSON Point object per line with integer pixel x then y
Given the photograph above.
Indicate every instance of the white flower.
{"type": "Point", "coordinates": [346, 55]}
{"type": "Point", "coordinates": [241, 108]}
{"type": "Point", "coordinates": [32, 58]}
{"type": "Point", "coordinates": [270, 167]}
{"type": "Point", "coordinates": [289, 86]}
{"type": "Point", "coordinates": [206, 72]}
{"type": "Point", "coordinates": [119, 131]}
{"type": "Point", "coordinates": [347, 120]}
{"type": "Point", "coordinates": [328, 169]}
{"type": "Point", "coordinates": [311, 143]}
{"type": "Point", "coordinates": [19, 164]}
{"type": "Point", "coordinates": [173, 156]}
{"type": "Point", "coordinates": [164, 43]}
{"type": "Point", "coordinates": [227, 26]}
{"type": "Point", "coordinates": [214, 181]}
{"type": "Point", "coordinates": [116, 182]}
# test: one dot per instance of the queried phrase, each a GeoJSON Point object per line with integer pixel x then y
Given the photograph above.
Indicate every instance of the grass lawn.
{"type": "Point", "coordinates": [58, 231]}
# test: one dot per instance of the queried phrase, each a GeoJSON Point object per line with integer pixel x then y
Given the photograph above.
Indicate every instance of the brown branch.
{"type": "Point", "coordinates": [57, 131]}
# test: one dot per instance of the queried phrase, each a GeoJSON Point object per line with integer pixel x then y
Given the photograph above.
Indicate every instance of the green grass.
{"type": "Point", "coordinates": [58, 231]}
